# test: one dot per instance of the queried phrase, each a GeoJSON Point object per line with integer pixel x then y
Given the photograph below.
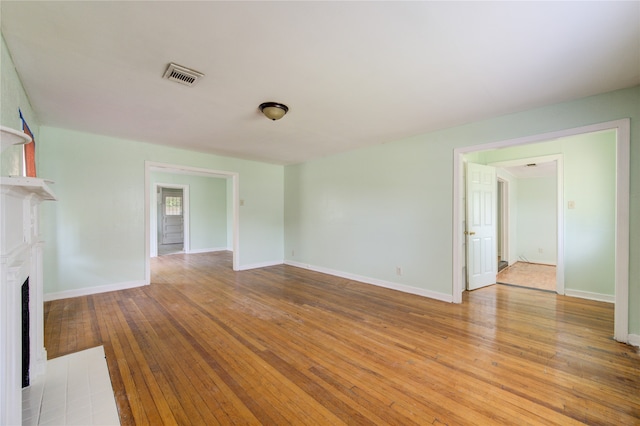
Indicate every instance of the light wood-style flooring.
{"type": "Point", "coordinates": [533, 275]}
{"type": "Point", "coordinates": [281, 345]}
{"type": "Point", "coordinates": [166, 249]}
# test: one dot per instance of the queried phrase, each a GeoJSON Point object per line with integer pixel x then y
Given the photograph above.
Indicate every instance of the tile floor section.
{"type": "Point", "coordinates": [76, 390]}
{"type": "Point", "coordinates": [533, 275]}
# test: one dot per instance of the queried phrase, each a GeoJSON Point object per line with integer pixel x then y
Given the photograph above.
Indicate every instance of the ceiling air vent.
{"type": "Point", "coordinates": [182, 75]}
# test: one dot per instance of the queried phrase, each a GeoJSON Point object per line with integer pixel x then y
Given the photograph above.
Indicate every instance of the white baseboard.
{"type": "Point", "coordinates": [634, 339]}
{"type": "Point", "coordinates": [535, 262]}
{"type": "Point", "coordinates": [207, 250]}
{"type": "Point", "coordinates": [260, 265]}
{"type": "Point", "coordinates": [374, 281]}
{"type": "Point", "coordinates": [93, 290]}
{"type": "Point", "coordinates": [589, 295]}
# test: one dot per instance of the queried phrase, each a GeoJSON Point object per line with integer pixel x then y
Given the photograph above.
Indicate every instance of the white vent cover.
{"type": "Point", "coordinates": [182, 75]}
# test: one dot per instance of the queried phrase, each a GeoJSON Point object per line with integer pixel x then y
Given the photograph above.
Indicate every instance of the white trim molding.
{"type": "Point", "coordinates": [634, 339]}
{"type": "Point", "coordinates": [207, 250]}
{"type": "Point", "coordinates": [374, 281]}
{"type": "Point", "coordinates": [87, 291]}
{"type": "Point", "coordinates": [623, 173]}
{"type": "Point", "coordinates": [259, 265]}
{"type": "Point", "coordinates": [609, 298]}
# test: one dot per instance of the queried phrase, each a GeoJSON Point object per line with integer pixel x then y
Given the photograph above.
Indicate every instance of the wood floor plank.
{"type": "Point", "coordinates": [134, 404]}
{"type": "Point", "coordinates": [282, 345]}
{"type": "Point", "coordinates": [155, 355]}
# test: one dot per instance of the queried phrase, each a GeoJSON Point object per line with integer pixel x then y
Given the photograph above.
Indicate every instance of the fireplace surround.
{"type": "Point", "coordinates": [20, 259]}
{"type": "Point", "coordinates": [26, 337]}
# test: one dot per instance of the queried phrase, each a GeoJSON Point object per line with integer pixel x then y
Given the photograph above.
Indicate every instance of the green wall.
{"type": "Point", "coordinates": [208, 219]}
{"type": "Point", "coordinates": [368, 211]}
{"type": "Point", "coordinates": [537, 219]}
{"type": "Point", "coordinates": [95, 232]}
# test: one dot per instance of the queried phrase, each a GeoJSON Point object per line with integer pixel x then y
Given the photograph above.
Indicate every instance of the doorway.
{"type": "Point", "coordinates": [170, 224]}
{"type": "Point", "coordinates": [231, 179]}
{"type": "Point", "coordinates": [621, 129]}
{"type": "Point", "coordinates": [514, 222]}
{"type": "Point", "coordinates": [530, 200]}
{"type": "Point", "coordinates": [171, 219]}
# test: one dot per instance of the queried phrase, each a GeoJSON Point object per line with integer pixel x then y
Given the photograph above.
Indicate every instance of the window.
{"type": "Point", "coordinates": [173, 206]}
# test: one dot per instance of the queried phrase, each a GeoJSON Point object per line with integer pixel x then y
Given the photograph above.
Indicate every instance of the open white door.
{"type": "Point", "coordinates": [481, 232]}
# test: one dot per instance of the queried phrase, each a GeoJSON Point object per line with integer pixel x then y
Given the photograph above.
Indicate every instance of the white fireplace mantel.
{"type": "Point", "coordinates": [20, 258]}
{"type": "Point", "coordinates": [10, 137]}
{"type": "Point", "coordinates": [28, 186]}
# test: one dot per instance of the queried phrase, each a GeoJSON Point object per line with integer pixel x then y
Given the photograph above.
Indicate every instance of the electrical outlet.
{"type": "Point", "coordinates": [398, 270]}
{"type": "Point", "coordinates": [540, 250]}
{"type": "Point", "coordinates": [293, 253]}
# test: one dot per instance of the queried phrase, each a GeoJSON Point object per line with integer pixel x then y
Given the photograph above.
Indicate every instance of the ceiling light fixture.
{"type": "Point", "coordinates": [273, 111]}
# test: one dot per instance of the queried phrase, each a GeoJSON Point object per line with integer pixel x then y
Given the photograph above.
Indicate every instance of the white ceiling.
{"type": "Point", "coordinates": [352, 73]}
{"type": "Point", "coordinates": [533, 170]}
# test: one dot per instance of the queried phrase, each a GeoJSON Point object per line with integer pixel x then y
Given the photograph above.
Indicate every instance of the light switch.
{"type": "Point", "coordinates": [571, 205]}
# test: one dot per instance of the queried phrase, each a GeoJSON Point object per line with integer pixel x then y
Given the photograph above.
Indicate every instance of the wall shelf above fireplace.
{"type": "Point", "coordinates": [28, 185]}
{"type": "Point", "coordinates": [10, 137]}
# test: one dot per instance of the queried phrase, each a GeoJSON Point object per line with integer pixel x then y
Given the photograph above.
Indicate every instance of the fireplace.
{"type": "Point", "coordinates": [26, 341]}
{"type": "Point", "coordinates": [21, 290]}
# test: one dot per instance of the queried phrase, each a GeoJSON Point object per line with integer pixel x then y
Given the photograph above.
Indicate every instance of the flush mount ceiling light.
{"type": "Point", "coordinates": [273, 111]}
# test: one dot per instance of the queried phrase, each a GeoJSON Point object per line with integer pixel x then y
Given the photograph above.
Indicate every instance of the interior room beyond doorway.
{"type": "Point", "coordinates": [528, 222]}
{"type": "Point", "coordinates": [584, 201]}
{"type": "Point", "coordinates": [596, 264]}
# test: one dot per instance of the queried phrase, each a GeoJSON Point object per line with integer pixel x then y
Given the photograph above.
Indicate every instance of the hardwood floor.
{"type": "Point", "coordinates": [281, 345]}
{"type": "Point", "coordinates": [532, 275]}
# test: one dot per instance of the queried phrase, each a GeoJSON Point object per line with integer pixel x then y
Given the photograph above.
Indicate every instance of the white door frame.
{"type": "Point", "coordinates": [503, 224]}
{"type": "Point", "coordinates": [558, 158]}
{"type": "Point", "coordinates": [622, 127]}
{"type": "Point", "coordinates": [186, 242]}
{"type": "Point", "coordinates": [151, 166]}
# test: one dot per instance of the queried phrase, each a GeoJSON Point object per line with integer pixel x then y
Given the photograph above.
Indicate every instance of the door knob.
{"type": "Point", "coordinates": [469, 233]}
